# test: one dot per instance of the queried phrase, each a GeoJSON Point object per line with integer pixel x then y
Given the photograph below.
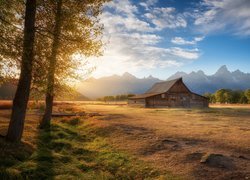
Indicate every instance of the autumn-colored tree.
{"type": "Point", "coordinates": [79, 36]}
{"type": "Point", "coordinates": [21, 98]}
{"type": "Point", "coordinates": [76, 32]}
{"type": "Point", "coordinates": [11, 37]}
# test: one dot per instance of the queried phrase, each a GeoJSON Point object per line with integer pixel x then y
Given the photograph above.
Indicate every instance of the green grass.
{"type": "Point", "coordinates": [72, 149]}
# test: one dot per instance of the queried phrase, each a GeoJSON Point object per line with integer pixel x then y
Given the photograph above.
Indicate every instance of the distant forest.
{"type": "Point", "coordinates": [228, 96]}
{"type": "Point", "coordinates": [122, 97]}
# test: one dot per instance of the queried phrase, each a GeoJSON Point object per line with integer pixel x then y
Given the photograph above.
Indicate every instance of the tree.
{"type": "Point", "coordinates": [247, 94]}
{"type": "Point", "coordinates": [211, 97]}
{"type": "Point", "coordinates": [20, 101]}
{"type": "Point", "coordinates": [219, 96]}
{"type": "Point", "coordinates": [76, 32]}
{"type": "Point", "coordinates": [242, 98]}
{"type": "Point", "coordinates": [11, 38]}
{"type": "Point", "coordinates": [52, 66]}
{"type": "Point", "coordinates": [228, 96]}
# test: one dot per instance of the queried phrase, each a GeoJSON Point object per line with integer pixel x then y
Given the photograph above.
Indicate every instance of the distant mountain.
{"type": "Point", "coordinates": [114, 85]}
{"type": "Point", "coordinates": [198, 82]}
{"type": "Point", "coordinates": [223, 78]}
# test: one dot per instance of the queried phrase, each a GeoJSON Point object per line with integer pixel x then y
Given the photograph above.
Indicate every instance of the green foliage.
{"type": "Point", "coordinates": [247, 94]}
{"type": "Point", "coordinates": [211, 97]}
{"type": "Point", "coordinates": [229, 96]}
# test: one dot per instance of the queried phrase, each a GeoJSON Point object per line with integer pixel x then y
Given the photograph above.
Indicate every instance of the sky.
{"type": "Point", "coordinates": [161, 37]}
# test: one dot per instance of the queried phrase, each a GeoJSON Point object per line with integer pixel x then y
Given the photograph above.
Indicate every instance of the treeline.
{"type": "Point", "coordinates": [122, 97]}
{"type": "Point", "coordinates": [229, 96]}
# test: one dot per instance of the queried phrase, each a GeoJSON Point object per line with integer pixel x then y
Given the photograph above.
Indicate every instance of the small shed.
{"type": "Point", "coordinates": [173, 93]}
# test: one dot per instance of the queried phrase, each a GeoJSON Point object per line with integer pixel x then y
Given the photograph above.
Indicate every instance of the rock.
{"type": "Point", "coordinates": [218, 161]}
{"type": "Point", "coordinates": [168, 141]}
{"type": "Point", "coordinates": [243, 157]}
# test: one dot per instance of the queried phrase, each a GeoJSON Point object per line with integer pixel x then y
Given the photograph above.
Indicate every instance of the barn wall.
{"type": "Point", "coordinates": [137, 102]}
{"type": "Point", "coordinates": [198, 101]}
{"type": "Point", "coordinates": [181, 100]}
{"type": "Point", "coordinates": [169, 100]}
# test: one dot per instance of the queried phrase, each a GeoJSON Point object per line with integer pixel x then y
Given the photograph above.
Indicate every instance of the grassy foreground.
{"type": "Point", "coordinates": [71, 149]}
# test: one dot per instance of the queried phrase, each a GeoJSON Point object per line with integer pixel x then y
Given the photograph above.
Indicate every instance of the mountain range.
{"type": "Point", "coordinates": [197, 82]}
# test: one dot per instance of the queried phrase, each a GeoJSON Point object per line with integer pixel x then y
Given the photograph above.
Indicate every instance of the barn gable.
{"type": "Point", "coordinates": [162, 87]}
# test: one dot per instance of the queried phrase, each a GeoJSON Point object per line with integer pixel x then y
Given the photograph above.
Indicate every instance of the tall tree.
{"type": "Point", "coordinates": [20, 101]}
{"type": "Point", "coordinates": [76, 34]}
{"type": "Point", "coordinates": [52, 66]}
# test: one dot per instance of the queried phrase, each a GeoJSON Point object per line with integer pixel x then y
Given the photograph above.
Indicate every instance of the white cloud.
{"type": "Point", "coordinates": [181, 41]}
{"type": "Point", "coordinates": [116, 23]}
{"type": "Point", "coordinates": [133, 42]}
{"type": "Point", "coordinates": [224, 15]}
{"type": "Point", "coordinates": [147, 4]}
{"type": "Point", "coordinates": [185, 53]}
{"type": "Point", "coordinates": [124, 7]}
{"type": "Point", "coordinates": [166, 18]}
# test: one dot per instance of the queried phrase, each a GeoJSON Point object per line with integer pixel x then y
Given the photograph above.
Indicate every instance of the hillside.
{"type": "Point", "coordinates": [8, 89]}
{"type": "Point", "coordinates": [198, 82]}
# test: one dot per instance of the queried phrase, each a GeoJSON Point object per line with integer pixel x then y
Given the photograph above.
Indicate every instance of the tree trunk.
{"type": "Point", "coordinates": [45, 122]}
{"type": "Point", "coordinates": [21, 98]}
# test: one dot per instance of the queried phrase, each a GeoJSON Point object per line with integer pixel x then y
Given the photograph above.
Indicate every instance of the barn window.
{"type": "Point", "coordinates": [162, 95]}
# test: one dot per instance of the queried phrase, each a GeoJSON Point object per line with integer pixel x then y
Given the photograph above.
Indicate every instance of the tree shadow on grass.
{"type": "Point", "coordinates": [12, 154]}
{"type": "Point", "coordinates": [44, 155]}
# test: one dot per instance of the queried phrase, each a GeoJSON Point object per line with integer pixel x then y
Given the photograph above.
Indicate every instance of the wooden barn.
{"type": "Point", "coordinates": [172, 93]}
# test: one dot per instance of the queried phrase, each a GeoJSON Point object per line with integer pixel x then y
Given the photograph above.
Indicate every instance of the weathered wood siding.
{"type": "Point", "coordinates": [185, 100]}
{"type": "Point", "coordinates": [198, 101]}
{"type": "Point", "coordinates": [169, 100]}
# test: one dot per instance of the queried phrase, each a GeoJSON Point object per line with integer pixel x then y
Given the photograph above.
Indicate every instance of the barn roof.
{"type": "Point", "coordinates": [162, 87]}
{"type": "Point", "coordinates": [142, 96]}
{"type": "Point", "coordinates": [157, 88]}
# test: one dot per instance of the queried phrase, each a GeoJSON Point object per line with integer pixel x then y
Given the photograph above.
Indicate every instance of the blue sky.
{"type": "Point", "coordinates": [160, 37]}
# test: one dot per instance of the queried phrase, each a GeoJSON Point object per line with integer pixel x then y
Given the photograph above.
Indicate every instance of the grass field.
{"type": "Point", "coordinates": [116, 141]}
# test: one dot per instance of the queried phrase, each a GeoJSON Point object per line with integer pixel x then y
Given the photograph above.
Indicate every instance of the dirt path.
{"type": "Point", "coordinates": [178, 140]}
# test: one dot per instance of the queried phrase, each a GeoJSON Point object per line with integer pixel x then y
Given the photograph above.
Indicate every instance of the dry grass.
{"type": "Point", "coordinates": [73, 148]}
{"type": "Point", "coordinates": [172, 140]}
{"type": "Point", "coordinates": [169, 137]}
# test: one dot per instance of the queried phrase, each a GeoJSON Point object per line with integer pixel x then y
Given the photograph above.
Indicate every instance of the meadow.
{"type": "Point", "coordinates": [120, 142]}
